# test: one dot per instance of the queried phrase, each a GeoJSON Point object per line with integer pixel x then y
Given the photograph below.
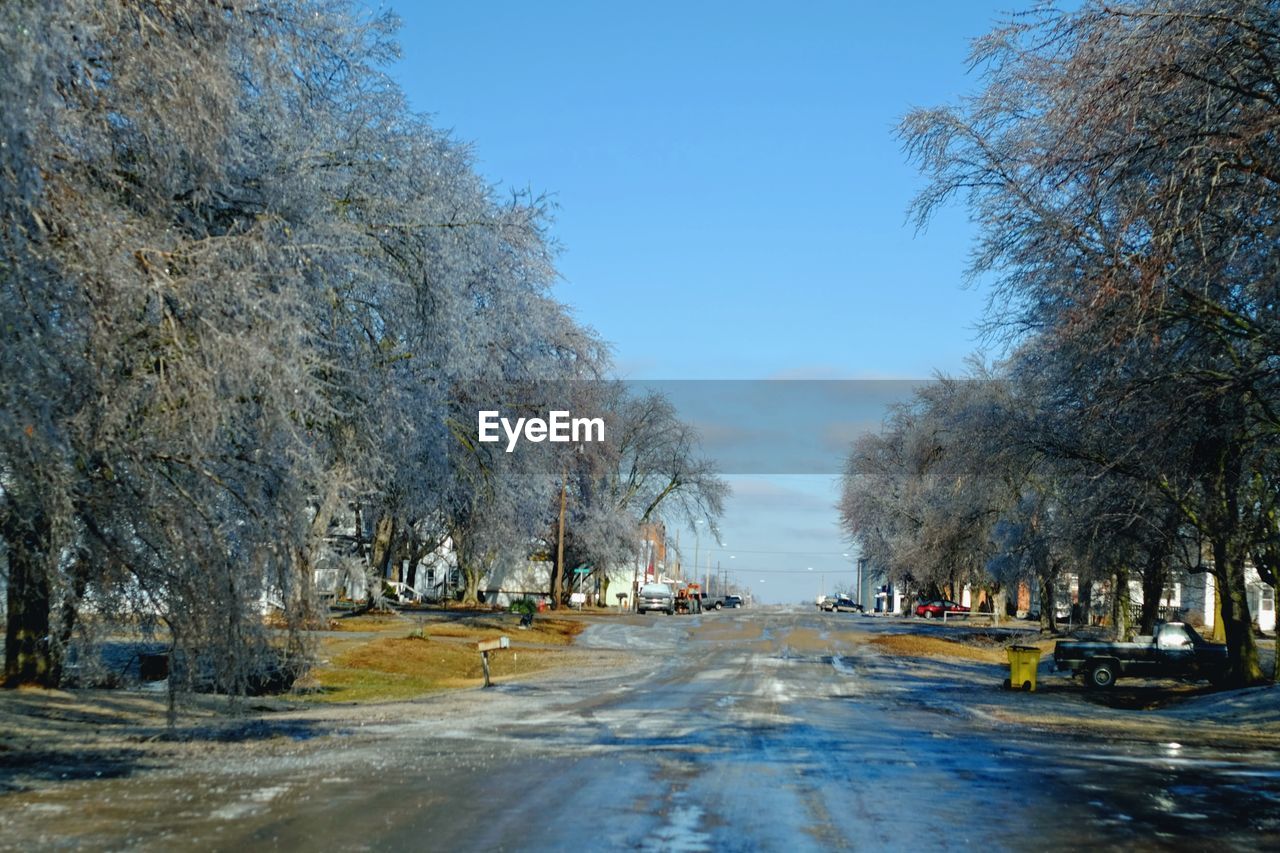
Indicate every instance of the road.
{"type": "Point", "coordinates": [759, 729]}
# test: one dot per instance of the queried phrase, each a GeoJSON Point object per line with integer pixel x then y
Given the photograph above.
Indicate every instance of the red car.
{"type": "Point", "coordinates": [939, 606]}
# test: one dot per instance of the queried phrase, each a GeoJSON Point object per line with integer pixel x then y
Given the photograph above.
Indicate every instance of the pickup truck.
{"type": "Point", "coordinates": [711, 602]}
{"type": "Point", "coordinates": [1174, 650]}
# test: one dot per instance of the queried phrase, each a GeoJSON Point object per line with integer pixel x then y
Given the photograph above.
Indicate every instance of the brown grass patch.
{"type": "Point", "coordinates": [550, 631]}
{"type": "Point", "coordinates": [368, 622]}
{"type": "Point", "coordinates": [915, 645]}
{"type": "Point", "coordinates": [392, 668]}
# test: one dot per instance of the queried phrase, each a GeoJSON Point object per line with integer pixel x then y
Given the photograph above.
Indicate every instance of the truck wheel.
{"type": "Point", "coordinates": [719, 605]}
{"type": "Point", "coordinates": [1102, 675]}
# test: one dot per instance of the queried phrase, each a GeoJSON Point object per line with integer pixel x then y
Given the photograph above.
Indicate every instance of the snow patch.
{"type": "Point", "coordinates": [682, 832]}
{"type": "Point", "coordinates": [841, 665]}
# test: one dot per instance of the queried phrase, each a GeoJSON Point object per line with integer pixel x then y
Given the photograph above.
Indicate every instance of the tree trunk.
{"type": "Point", "coordinates": [1084, 598]}
{"type": "Point", "coordinates": [417, 551]}
{"type": "Point", "coordinates": [384, 534]}
{"type": "Point", "coordinates": [557, 569]}
{"type": "Point", "coordinates": [1156, 573]}
{"type": "Point", "coordinates": [300, 596]}
{"type": "Point", "coordinates": [30, 655]}
{"type": "Point", "coordinates": [1048, 607]}
{"type": "Point", "coordinates": [1120, 606]}
{"type": "Point", "coordinates": [1237, 626]}
{"type": "Point", "coordinates": [1267, 562]}
{"type": "Point", "coordinates": [471, 584]}
{"type": "Point", "coordinates": [1153, 579]}
{"type": "Point", "coordinates": [469, 567]}
{"type": "Point", "coordinates": [1275, 663]}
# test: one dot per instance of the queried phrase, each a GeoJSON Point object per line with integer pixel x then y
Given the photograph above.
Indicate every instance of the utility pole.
{"type": "Point", "coordinates": [679, 558]}
{"type": "Point", "coordinates": [557, 584]}
{"type": "Point", "coordinates": [697, 541]}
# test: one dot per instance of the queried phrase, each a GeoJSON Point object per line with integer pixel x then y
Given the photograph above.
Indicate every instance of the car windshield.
{"type": "Point", "coordinates": [1196, 639]}
{"type": "Point", "coordinates": [655, 589]}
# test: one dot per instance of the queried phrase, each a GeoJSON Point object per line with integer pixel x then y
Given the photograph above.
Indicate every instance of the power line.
{"type": "Point", "coordinates": [737, 570]}
{"type": "Point", "coordinates": [729, 550]}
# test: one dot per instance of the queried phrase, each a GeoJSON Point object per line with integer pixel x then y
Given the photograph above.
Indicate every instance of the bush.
{"type": "Point", "coordinates": [524, 606]}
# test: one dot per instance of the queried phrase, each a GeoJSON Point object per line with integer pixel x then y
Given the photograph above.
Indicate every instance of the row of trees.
{"type": "Point", "coordinates": [1122, 164]}
{"type": "Point", "coordinates": [243, 287]}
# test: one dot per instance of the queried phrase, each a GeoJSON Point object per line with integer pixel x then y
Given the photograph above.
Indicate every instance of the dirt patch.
{"type": "Point", "coordinates": [808, 640]}
{"type": "Point", "coordinates": [724, 632]}
{"type": "Point", "coordinates": [915, 645]}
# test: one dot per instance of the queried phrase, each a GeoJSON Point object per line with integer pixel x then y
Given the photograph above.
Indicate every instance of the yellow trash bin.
{"type": "Point", "coordinates": [1023, 663]}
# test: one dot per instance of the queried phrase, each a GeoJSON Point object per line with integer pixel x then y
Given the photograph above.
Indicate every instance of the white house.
{"type": "Point", "coordinates": [1197, 597]}
{"type": "Point", "coordinates": [1188, 596]}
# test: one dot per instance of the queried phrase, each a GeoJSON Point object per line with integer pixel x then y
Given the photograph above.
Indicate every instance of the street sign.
{"type": "Point", "coordinates": [582, 571]}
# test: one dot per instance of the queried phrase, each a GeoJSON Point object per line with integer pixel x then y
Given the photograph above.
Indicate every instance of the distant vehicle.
{"type": "Point", "coordinates": [844, 604]}
{"type": "Point", "coordinates": [656, 596]}
{"type": "Point", "coordinates": [940, 606]}
{"type": "Point", "coordinates": [712, 602]}
{"type": "Point", "coordinates": [826, 603]}
{"type": "Point", "coordinates": [1174, 650]}
{"type": "Point", "coordinates": [689, 599]}
{"type": "Point", "coordinates": [733, 601]}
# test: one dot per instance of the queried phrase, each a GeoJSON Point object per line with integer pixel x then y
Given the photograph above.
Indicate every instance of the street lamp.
{"type": "Point", "coordinates": [859, 564]}
{"type": "Point", "coordinates": [710, 551]}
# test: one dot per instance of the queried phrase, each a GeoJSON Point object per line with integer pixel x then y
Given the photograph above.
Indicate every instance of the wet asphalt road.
{"type": "Point", "coordinates": [741, 730]}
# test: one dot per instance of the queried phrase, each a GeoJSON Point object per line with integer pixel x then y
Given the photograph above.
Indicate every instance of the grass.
{"type": "Point", "coordinates": [441, 656]}
{"type": "Point", "coordinates": [556, 632]}
{"type": "Point", "coordinates": [368, 622]}
{"type": "Point", "coordinates": [914, 645]}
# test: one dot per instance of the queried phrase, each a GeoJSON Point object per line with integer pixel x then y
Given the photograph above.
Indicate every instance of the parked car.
{"type": "Point", "coordinates": [1174, 650]}
{"type": "Point", "coordinates": [826, 603]}
{"type": "Point", "coordinates": [733, 601]}
{"type": "Point", "coordinates": [844, 604]}
{"type": "Point", "coordinates": [940, 606]}
{"type": "Point", "coordinates": [656, 596]}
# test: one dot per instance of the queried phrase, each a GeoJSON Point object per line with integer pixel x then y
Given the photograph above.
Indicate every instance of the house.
{"type": "Point", "coordinates": [1195, 596]}
{"type": "Point", "coordinates": [1188, 597]}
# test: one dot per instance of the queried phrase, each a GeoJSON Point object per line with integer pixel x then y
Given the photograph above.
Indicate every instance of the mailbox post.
{"type": "Point", "coordinates": [486, 646]}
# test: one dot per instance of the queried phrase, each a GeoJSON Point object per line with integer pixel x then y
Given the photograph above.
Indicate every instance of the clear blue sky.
{"type": "Point", "coordinates": [731, 196]}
